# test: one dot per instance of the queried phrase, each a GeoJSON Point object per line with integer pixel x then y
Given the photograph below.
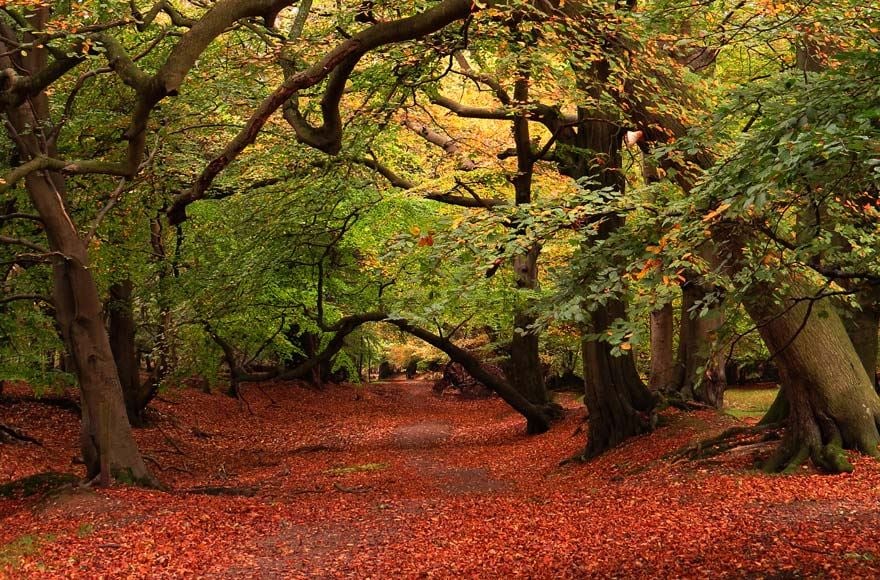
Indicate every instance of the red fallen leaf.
{"type": "Point", "coordinates": [465, 494]}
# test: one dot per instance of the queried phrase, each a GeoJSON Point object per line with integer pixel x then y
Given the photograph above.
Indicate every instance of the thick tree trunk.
{"type": "Point", "coordinates": [107, 443]}
{"type": "Point", "coordinates": [700, 365]}
{"type": "Point", "coordinates": [121, 329]}
{"type": "Point", "coordinates": [619, 404]}
{"type": "Point", "coordinates": [662, 377]}
{"type": "Point", "coordinates": [832, 403]}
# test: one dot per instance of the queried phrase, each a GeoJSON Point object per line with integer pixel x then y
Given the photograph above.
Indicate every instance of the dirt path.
{"type": "Point", "coordinates": [390, 481]}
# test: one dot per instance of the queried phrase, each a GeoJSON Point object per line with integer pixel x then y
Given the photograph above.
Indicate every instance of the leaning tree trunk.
{"type": "Point", "coordinates": [108, 446]}
{"type": "Point", "coordinates": [700, 366]}
{"type": "Point", "coordinates": [832, 403]}
{"type": "Point", "coordinates": [662, 376]}
{"type": "Point", "coordinates": [538, 418]}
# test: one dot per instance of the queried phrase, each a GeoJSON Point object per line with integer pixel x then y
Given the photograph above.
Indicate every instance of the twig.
{"type": "Point", "coordinates": [171, 441]}
{"type": "Point", "coordinates": [357, 489]}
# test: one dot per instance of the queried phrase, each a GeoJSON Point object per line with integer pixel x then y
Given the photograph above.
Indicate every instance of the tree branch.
{"type": "Point", "coordinates": [338, 64]}
{"type": "Point", "coordinates": [31, 297]}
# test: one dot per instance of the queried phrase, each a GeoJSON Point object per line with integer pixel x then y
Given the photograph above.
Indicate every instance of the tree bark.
{"type": "Point", "coordinates": [832, 403]}
{"type": "Point", "coordinates": [527, 376]}
{"type": "Point", "coordinates": [619, 403]}
{"type": "Point", "coordinates": [106, 436]}
{"type": "Point", "coordinates": [863, 328]}
{"type": "Point", "coordinates": [121, 329]}
{"type": "Point", "coordinates": [700, 366]}
{"type": "Point", "coordinates": [662, 377]}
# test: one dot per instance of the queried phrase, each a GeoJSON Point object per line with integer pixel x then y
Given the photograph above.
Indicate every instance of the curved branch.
{"type": "Point", "coordinates": [537, 420]}
{"type": "Point", "coordinates": [449, 145]}
{"type": "Point", "coordinates": [25, 243]}
{"type": "Point", "coordinates": [328, 136]}
{"type": "Point", "coordinates": [448, 198]}
{"type": "Point", "coordinates": [340, 62]}
{"type": "Point", "coordinates": [144, 20]}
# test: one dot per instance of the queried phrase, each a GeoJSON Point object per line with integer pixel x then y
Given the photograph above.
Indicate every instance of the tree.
{"type": "Point", "coordinates": [108, 446]}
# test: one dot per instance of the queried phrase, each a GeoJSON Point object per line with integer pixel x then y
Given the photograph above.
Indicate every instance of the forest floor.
{"type": "Point", "coordinates": [389, 480]}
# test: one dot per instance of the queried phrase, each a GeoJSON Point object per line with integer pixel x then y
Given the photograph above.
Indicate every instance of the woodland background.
{"type": "Point", "coordinates": [602, 212]}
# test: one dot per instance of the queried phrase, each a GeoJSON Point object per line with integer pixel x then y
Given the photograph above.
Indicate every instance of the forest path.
{"type": "Point", "coordinates": [388, 480]}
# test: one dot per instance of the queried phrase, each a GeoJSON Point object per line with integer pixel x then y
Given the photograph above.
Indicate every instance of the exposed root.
{"type": "Point", "coordinates": [10, 435]}
{"type": "Point", "coordinates": [689, 404]}
{"type": "Point", "coordinates": [730, 439]}
{"type": "Point", "coordinates": [214, 490]}
{"type": "Point", "coordinates": [553, 411]}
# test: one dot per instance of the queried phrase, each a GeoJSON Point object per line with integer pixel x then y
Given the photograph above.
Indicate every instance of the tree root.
{"type": "Point", "coordinates": [728, 440]}
{"type": "Point", "coordinates": [689, 404]}
{"type": "Point", "coordinates": [10, 435]}
{"type": "Point", "coordinates": [235, 491]}
{"type": "Point", "coordinates": [790, 456]}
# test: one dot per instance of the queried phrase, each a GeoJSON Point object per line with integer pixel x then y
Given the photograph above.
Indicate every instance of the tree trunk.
{"type": "Point", "coordinates": [863, 327]}
{"type": "Point", "coordinates": [108, 446]}
{"type": "Point", "coordinates": [832, 403]}
{"type": "Point", "coordinates": [662, 376]}
{"type": "Point", "coordinates": [700, 365]}
{"type": "Point", "coordinates": [526, 374]}
{"type": "Point", "coordinates": [619, 404]}
{"type": "Point", "coordinates": [121, 329]}
{"type": "Point", "coordinates": [106, 436]}
{"type": "Point", "coordinates": [164, 354]}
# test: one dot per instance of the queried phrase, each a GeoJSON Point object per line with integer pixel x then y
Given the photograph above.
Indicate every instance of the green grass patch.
{"type": "Point", "coordinates": [742, 403]}
{"type": "Point", "coordinates": [14, 552]}
{"type": "Point", "coordinates": [357, 468]}
{"type": "Point", "coordinates": [84, 530]}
